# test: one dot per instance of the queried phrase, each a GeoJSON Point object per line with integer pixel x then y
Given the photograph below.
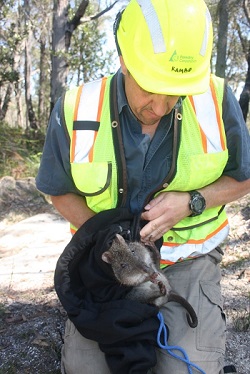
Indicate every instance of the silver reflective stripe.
{"type": "Point", "coordinates": [153, 24]}
{"type": "Point", "coordinates": [87, 110]}
{"type": "Point", "coordinates": [206, 34]}
{"type": "Point", "coordinates": [207, 118]}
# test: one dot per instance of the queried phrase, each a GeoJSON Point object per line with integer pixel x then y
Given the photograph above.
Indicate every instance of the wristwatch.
{"type": "Point", "coordinates": [197, 203]}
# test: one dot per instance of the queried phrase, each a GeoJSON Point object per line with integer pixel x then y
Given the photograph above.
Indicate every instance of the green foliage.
{"type": "Point", "coordinates": [4, 8]}
{"type": "Point", "coordinates": [20, 151]}
{"type": "Point", "coordinates": [236, 64]}
{"type": "Point", "coordinates": [10, 38]}
{"type": "Point", "coordinates": [8, 74]}
{"type": "Point", "coordinates": [88, 57]}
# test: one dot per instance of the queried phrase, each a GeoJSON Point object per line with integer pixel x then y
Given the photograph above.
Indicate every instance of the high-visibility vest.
{"type": "Point", "coordinates": [199, 158]}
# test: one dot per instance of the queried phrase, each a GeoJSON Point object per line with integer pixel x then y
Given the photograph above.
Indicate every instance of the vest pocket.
{"type": "Point", "coordinates": [208, 167]}
{"type": "Point", "coordinates": [92, 178]}
{"type": "Point", "coordinates": [212, 324]}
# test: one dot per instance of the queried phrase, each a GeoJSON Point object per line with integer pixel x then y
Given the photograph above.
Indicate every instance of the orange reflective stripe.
{"type": "Point", "coordinates": [224, 224]}
{"type": "Point", "coordinates": [218, 116]}
{"type": "Point", "coordinates": [209, 119]}
{"type": "Point", "coordinates": [203, 140]}
{"type": "Point", "coordinates": [194, 241]}
{"type": "Point", "coordinates": [203, 136]}
{"type": "Point", "coordinates": [91, 152]}
{"type": "Point", "coordinates": [192, 102]}
{"type": "Point", "coordinates": [101, 97]}
{"type": "Point", "coordinates": [73, 141]}
{"type": "Point", "coordinates": [166, 262]}
{"type": "Point", "coordinates": [72, 230]}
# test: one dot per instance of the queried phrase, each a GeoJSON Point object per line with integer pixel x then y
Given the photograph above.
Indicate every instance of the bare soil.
{"type": "Point", "coordinates": [32, 236]}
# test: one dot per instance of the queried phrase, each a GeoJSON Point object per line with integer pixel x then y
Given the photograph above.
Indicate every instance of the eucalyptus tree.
{"type": "Point", "coordinates": [42, 37]}
{"type": "Point", "coordinates": [31, 115]}
{"type": "Point", "coordinates": [88, 56]}
{"type": "Point", "coordinates": [11, 44]}
{"type": "Point", "coordinates": [231, 19]}
{"type": "Point", "coordinates": [21, 21]}
{"type": "Point", "coordinates": [245, 43]}
{"type": "Point", "coordinates": [223, 20]}
{"type": "Point", "coordinates": [65, 24]}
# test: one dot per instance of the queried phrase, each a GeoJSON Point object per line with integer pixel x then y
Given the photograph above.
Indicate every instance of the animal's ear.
{"type": "Point", "coordinates": [106, 257]}
{"type": "Point", "coordinates": [120, 239]}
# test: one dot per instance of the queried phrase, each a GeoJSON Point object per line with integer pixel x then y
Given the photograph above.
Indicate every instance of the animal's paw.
{"type": "Point", "coordinates": [162, 288]}
{"type": "Point", "coordinates": [153, 277]}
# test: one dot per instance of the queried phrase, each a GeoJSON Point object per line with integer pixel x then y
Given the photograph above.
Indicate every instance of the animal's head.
{"type": "Point", "coordinates": [130, 261]}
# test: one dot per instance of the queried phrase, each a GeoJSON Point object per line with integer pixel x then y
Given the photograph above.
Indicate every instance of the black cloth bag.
{"type": "Point", "coordinates": [126, 330]}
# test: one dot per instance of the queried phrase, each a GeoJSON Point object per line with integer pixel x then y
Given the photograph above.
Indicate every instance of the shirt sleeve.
{"type": "Point", "coordinates": [54, 174]}
{"type": "Point", "coordinates": [238, 139]}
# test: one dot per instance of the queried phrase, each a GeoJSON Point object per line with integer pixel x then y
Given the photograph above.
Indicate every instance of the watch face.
{"type": "Point", "coordinates": [197, 203]}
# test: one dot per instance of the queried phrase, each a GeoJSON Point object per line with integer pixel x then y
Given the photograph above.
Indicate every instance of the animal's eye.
{"type": "Point", "coordinates": [123, 265]}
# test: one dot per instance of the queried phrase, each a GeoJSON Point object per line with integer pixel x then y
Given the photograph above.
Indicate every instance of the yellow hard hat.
{"type": "Point", "coordinates": [166, 45]}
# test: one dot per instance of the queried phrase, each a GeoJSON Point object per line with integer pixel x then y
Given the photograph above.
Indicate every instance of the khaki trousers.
{"type": "Point", "coordinates": [199, 282]}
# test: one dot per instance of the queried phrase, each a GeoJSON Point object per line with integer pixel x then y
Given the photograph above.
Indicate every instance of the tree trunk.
{"type": "Point", "coordinates": [59, 65]}
{"type": "Point", "coordinates": [31, 117]}
{"type": "Point", "coordinates": [42, 85]}
{"type": "Point", "coordinates": [222, 39]}
{"type": "Point", "coordinates": [61, 39]}
{"type": "Point", "coordinates": [18, 94]}
{"type": "Point", "coordinates": [4, 106]}
{"type": "Point", "coordinates": [245, 95]}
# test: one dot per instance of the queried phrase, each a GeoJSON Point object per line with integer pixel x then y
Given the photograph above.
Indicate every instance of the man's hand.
{"type": "Point", "coordinates": [169, 208]}
{"type": "Point", "coordinates": [163, 212]}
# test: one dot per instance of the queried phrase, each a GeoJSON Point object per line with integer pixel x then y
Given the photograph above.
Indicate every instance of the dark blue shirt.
{"type": "Point", "coordinates": [148, 161]}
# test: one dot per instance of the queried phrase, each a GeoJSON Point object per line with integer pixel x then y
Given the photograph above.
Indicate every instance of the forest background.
{"type": "Point", "coordinates": [46, 47]}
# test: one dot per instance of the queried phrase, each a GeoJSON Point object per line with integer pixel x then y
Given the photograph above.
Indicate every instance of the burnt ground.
{"type": "Point", "coordinates": [32, 236]}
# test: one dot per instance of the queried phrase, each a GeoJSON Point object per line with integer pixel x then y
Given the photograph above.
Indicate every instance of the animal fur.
{"type": "Point", "coordinates": [137, 265]}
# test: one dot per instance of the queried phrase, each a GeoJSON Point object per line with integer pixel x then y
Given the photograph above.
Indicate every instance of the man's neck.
{"type": "Point", "coordinates": [149, 129]}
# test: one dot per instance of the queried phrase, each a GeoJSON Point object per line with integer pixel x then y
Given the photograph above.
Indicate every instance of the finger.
{"type": "Point", "coordinates": [152, 231]}
{"type": "Point", "coordinates": [154, 202]}
{"type": "Point", "coordinates": [157, 234]}
{"type": "Point", "coordinates": [153, 213]}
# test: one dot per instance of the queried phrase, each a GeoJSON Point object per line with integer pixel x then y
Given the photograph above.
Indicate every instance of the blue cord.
{"type": "Point", "coordinates": [170, 348]}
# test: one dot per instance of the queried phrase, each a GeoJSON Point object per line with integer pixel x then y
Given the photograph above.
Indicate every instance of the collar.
{"type": "Point", "coordinates": [121, 97]}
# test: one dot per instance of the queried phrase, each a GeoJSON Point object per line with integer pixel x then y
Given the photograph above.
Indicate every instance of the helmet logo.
{"type": "Point", "coordinates": [174, 57]}
{"type": "Point", "coordinates": [182, 58]}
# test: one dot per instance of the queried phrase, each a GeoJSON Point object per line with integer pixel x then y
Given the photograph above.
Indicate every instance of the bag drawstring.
{"type": "Point", "coordinates": [162, 332]}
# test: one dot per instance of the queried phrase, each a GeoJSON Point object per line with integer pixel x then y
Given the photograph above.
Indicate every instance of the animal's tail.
{"type": "Point", "coordinates": [191, 315]}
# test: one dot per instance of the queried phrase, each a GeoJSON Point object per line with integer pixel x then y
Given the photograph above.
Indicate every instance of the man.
{"type": "Point", "coordinates": [164, 138]}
